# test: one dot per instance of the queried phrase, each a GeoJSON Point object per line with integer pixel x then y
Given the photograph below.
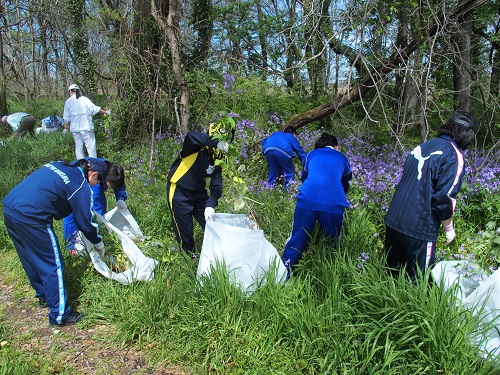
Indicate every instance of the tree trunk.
{"type": "Point", "coordinates": [399, 93]}
{"type": "Point", "coordinates": [462, 62]}
{"type": "Point", "coordinates": [262, 36]}
{"type": "Point", "coordinates": [170, 25]}
{"type": "Point", "coordinates": [495, 74]}
{"type": "Point", "coordinates": [80, 46]}
{"type": "Point", "coordinates": [289, 74]}
{"type": "Point", "coordinates": [375, 75]}
{"type": "Point", "coordinates": [3, 87]}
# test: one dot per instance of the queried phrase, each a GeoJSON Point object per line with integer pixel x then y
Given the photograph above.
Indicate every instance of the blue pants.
{"type": "Point", "coordinates": [302, 227]}
{"type": "Point", "coordinates": [69, 226]}
{"type": "Point", "coordinates": [40, 255]}
{"type": "Point", "coordinates": [408, 253]}
{"type": "Point", "coordinates": [279, 164]}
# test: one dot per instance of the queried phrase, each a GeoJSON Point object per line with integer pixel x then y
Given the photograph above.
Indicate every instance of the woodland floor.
{"type": "Point", "coordinates": [72, 350]}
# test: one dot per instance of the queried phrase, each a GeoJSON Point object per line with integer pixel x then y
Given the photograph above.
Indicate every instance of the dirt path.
{"type": "Point", "coordinates": [71, 350]}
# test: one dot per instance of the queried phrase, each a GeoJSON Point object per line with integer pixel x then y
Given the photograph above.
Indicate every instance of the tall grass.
{"type": "Point", "coordinates": [341, 313]}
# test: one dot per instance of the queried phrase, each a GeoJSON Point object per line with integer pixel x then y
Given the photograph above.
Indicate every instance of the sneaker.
{"type": "Point", "coordinates": [73, 317]}
{"type": "Point", "coordinates": [42, 302]}
{"type": "Point", "coordinates": [76, 252]}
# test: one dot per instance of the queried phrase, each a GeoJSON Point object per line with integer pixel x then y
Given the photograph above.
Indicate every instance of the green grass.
{"type": "Point", "coordinates": [340, 314]}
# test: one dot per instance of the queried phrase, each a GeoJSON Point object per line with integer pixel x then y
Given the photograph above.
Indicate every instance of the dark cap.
{"type": "Point", "coordinates": [466, 119]}
{"type": "Point", "coordinates": [98, 166]}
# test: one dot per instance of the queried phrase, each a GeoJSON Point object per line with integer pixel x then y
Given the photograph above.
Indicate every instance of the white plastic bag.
{"type": "Point", "coordinates": [234, 240]}
{"type": "Point", "coordinates": [124, 221]}
{"type": "Point", "coordinates": [477, 292]}
{"type": "Point", "coordinates": [142, 266]}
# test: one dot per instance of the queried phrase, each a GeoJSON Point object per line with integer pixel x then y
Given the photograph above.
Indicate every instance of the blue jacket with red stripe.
{"type": "Point", "coordinates": [425, 196]}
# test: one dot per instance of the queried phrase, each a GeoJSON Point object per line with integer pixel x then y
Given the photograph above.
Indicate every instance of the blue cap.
{"type": "Point", "coordinates": [98, 166]}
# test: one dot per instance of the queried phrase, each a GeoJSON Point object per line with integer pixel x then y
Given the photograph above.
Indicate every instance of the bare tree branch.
{"type": "Point", "coordinates": [378, 73]}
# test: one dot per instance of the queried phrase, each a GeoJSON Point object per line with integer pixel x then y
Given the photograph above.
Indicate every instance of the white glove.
{"type": "Point", "coordinates": [108, 112]}
{"type": "Point", "coordinates": [209, 213]}
{"type": "Point", "coordinates": [100, 248]}
{"type": "Point", "coordinates": [120, 203]}
{"type": "Point", "coordinates": [449, 232]}
{"type": "Point", "coordinates": [223, 146]}
{"type": "Point", "coordinates": [65, 131]}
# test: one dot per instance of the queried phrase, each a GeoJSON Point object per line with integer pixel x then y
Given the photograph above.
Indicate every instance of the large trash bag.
{"type": "Point", "coordinates": [234, 241]}
{"type": "Point", "coordinates": [124, 225]}
{"type": "Point", "coordinates": [476, 291]}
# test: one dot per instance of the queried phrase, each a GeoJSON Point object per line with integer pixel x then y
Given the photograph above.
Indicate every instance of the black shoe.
{"type": "Point", "coordinates": [73, 317]}
{"type": "Point", "coordinates": [42, 302]}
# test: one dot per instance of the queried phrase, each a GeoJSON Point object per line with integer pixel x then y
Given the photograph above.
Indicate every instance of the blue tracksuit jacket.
{"type": "Point", "coordinates": [425, 196]}
{"type": "Point", "coordinates": [326, 179]}
{"type": "Point", "coordinates": [51, 192]}
{"type": "Point", "coordinates": [279, 149]}
{"type": "Point", "coordinates": [321, 198]}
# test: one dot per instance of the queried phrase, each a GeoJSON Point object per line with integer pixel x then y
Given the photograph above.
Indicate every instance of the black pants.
{"type": "Point", "coordinates": [408, 253]}
{"type": "Point", "coordinates": [184, 207]}
{"type": "Point", "coordinates": [27, 125]}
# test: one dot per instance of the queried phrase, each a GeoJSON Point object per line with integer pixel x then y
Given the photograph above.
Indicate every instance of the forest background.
{"type": "Point", "coordinates": [381, 75]}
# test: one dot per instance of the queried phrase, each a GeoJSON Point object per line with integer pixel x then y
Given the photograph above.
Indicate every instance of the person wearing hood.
{"type": "Point", "coordinates": [77, 115]}
{"type": "Point", "coordinates": [187, 196]}
{"type": "Point", "coordinates": [54, 191]}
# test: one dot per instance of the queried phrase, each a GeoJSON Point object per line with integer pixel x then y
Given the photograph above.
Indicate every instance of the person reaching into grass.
{"type": "Point", "coordinates": [425, 197]}
{"type": "Point", "coordinates": [280, 149]}
{"type": "Point", "coordinates": [21, 123]}
{"type": "Point", "coordinates": [115, 178]}
{"type": "Point", "coordinates": [321, 197]}
{"type": "Point", "coordinates": [186, 193]}
{"type": "Point", "coordinates": [52, 192]}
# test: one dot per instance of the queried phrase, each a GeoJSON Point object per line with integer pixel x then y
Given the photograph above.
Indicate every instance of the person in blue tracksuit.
{"type": "Point", "coordinates": [52, 192]}
{"type": "Point", "coordinates": [186, 193]}
{"type": "Point", "coordinates": [321, 197]}
{"type": "Point", "coordinates": [280, 149]}
{"type": "Point", "coordinates": [425, 197]}
{"type": "Point", "coordinates": [116, 178]}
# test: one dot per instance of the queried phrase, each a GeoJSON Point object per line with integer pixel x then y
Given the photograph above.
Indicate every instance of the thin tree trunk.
{"type": "Point", "coordinates": [170, 25]}
{"type": "Point", "coordinates": [462, 62]}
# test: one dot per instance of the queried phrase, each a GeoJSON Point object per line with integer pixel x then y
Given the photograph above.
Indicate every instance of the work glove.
{"type": "Point", "coordinates": [223, 146]}
{"type": "Point", "coordinates": [449, 232]}
{"type": "Point", "coordinates": [108, 112]}
{"type": "Point", "coordinates": [100, 248]}
{"type": "Point", "coordinates": [65, 131]}
{"type": "Point", "coordinates": [209, 213]}
{"type": "Point", "coordinates": [120, 203]}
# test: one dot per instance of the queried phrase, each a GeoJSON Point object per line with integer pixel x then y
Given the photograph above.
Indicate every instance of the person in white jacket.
{"type": "Point", "coordinates": [77, 115]}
